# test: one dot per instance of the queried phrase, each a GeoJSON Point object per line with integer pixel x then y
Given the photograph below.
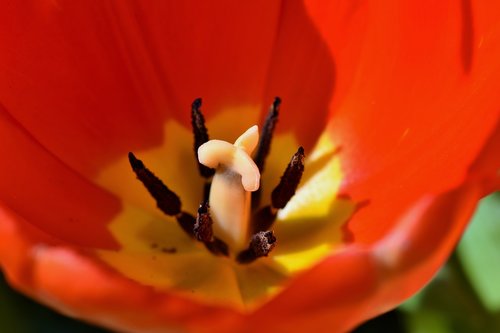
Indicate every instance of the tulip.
{"type": "Point", "coordinates": [395, 104]}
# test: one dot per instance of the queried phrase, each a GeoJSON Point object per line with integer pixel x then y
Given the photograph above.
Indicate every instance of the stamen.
{"type": "Point", "coordinates": [166, 200]}
{"type": "Point", "coordinates": [204, 233]}
{"type": "Point", "coordinates": [203, 228]}
{"type": "Point", "coordinates": [264, 218]}
{"type": "Point", "coordinates": [267, 134]}
{"type": "Point", "coordinates": [282, 193]}
{"type": "Point", "coordinates": [206, 190]}
{"type": "Point", "coordinates": [186, 221]}
{"type": "Point", "coordinates": [265, 143]}
{"type": "Point", "coordinates": [200, 136]}
{"type": "Point", "coordinates": [261, 245]}
{"type": "Point", "coordinates": [218, 247]}
{"type": "Point", "coordinates": [289, 181]}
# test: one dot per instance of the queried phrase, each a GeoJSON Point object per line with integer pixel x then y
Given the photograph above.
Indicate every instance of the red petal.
{"type": "Point", "coordinates": [49, 194]}
{"type": "Point", "coordinates": [418, 109]}
{"type": "Point", "coordinates": [93, 81]}
{"type": "Point", "coordinates": [414, 112]}
{"type": "Point", "coordinates": [486, 168]}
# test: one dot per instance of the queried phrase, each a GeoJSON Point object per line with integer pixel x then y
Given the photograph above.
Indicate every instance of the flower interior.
{"type": "Point", "coordinates": [231, 222]}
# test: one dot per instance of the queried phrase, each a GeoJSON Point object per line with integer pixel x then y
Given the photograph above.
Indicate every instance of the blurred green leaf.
{"type": "Point", "coordinates": [465, 295]}
{"type": "Point", "coordinates": [449, 305]}
{"type": "Point", "coordinates": [479, 252]}
{"type": "Point", "coordinates": [426, 321]}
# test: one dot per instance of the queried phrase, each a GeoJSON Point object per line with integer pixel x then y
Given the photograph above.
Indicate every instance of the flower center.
{"type": "Point", "coordinates": [158, 253]}
{"type": "Point", "coordinates": [235, 175]}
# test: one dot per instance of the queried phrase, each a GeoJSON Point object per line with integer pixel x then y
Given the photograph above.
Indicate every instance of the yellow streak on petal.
{"type": "Point", "coordinates": [138, 231]}
{"type": "Point", "coordinates": [259, 281]}
{"type": "Point", "coordinates": [297, 261]}
{"type": "Point", "coordinates": [312, 220]}
{"type": "Point", "coordinates": [314, 198]}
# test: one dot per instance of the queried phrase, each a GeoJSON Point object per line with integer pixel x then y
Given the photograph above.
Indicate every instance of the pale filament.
{"type": "Point", "coordinates": [235, 177]}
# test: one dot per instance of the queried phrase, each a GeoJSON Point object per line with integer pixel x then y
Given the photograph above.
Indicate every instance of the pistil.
{"type": "Point", "coordinates": [235, 177]}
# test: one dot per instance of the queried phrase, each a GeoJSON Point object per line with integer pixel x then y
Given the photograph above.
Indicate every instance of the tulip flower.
{"type": "Point", "coordinates": [396, 106]}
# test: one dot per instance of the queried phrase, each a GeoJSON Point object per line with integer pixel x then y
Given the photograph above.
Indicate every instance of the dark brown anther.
{"type": "Point", "coordinates": [265, 217]}
{"type": "Point", "coordinates": [261, 244]}
{"type": "Point", "coordinates": [267, 134]}
{"type": "Point", "coordinates": [187, 222]}
{"type": "Point", "coordinates": [218, 247]}
{"type": "Point", "coordinates": [200, 136]}
{"type": "Point", "coordinates": [264, 145]}
{"type": "Point", "coordinates": [289, 181]}
{"type": "Point", "coordinates": [206, 190]}
{"type": "Point", "coordinates": [204, 233]}
{"type": "Point", "coordinates": [203, 227]}
{"type": "Point", "coordinates": [166, 200]}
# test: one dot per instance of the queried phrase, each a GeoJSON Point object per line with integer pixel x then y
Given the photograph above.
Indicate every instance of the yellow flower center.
{"type": "Point", "coordinates": [157, 253]}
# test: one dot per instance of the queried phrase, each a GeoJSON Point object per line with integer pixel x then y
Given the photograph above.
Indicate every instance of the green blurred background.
{"type": "Point", "coordinates": [463, 298]}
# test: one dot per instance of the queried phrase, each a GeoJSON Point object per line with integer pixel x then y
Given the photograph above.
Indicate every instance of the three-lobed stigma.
{"type": "Point", "coordinates": [228, 220]}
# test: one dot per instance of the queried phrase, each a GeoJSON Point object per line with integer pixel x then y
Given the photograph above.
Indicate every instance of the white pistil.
{"type": "Point", "coordinates": [235, 177]}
